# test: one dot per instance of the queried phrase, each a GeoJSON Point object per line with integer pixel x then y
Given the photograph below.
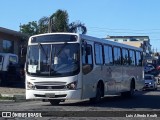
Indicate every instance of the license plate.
{"type": "Point", "coordinates": [50, 95]}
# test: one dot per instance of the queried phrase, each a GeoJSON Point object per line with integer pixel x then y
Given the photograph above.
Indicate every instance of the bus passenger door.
{"type": "Point", "coordinates": [87, 74]}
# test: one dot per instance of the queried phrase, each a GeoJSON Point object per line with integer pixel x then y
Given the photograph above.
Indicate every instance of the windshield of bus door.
{"type": "Point", "coordinates": [55, 60]}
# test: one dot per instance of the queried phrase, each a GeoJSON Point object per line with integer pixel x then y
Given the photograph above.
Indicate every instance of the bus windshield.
{"type": "Point", "coordinates": [55, 60]}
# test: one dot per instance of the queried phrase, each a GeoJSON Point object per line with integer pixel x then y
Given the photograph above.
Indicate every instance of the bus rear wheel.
{"type": "Point", "coordinates": [54, 102]}
{"type": "Point", "coordinates": [130, 93]}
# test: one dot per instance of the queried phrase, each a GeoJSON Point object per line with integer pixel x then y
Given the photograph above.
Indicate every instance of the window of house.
{"type": "Point", "coordinates": [8, 46]}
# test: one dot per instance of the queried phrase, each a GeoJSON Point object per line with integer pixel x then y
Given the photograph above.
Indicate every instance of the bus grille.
{"type": "Point", "coordinates": [56, 96]}
{"type": "Point", "coordinates": [50, 85]}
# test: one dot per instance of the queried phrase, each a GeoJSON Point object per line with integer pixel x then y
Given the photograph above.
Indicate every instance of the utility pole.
{"type": "Point", "coordinates": [20, 27]}
{"type": "Point", "coordinates": [50, 25]}
{"type": "Point", "coordinates": [153, 50]}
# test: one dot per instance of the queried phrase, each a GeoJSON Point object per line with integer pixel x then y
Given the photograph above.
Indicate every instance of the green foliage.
{"type": "Point", "coordinates": [57, 22]}
{"type": "Point", "coordinates": [43, 25]}
{"type": "Point", "coordinates": [6, 98]}
{"type": "Point", "coordinates": [31, 28]}
{"type": "Point", "coordinates": [77, 27]}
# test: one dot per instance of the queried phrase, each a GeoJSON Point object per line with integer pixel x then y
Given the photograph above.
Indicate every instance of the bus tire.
{"type": "Point", "coordinates": [130, 93]}
{"type": "Point", "coordinates": [54, 102]}
{"type": "Point", "coordinates": [132, 89]}
{"type": "Point", "coordinates": [99, 94]}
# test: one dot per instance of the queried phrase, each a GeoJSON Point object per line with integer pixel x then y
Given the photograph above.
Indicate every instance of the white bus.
{"type": "Point", "coordinates": [62, 66]}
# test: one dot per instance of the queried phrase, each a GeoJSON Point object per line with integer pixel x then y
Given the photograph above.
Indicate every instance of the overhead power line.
{"type": "Point", "coordinates": [136, 31]}
{"type": "Point", "coordinates": [103, 28]}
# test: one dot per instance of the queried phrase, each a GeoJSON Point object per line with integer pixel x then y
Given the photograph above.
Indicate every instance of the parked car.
{"type": "Point", "coordinates": [11, 73]}
{"type": "Point", "coordinates": [148, 68]}
{"type": "Point", "coordinates": [150, 82]}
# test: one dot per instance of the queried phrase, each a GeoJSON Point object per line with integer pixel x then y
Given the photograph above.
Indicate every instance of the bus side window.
{"type": "Point", "coordinates": [138, 59]}
{"type": "Point", "coordinates": [132, 59]}
{"type": "Point", "coordinates": [125, 56]}
{"type": "Point", "coordinates": [87, 59]}
{"type": "Point", "coordinates": [117, 55]}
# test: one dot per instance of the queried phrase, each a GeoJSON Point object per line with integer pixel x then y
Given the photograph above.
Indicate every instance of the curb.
{"type": "Point", "coordinates": [11, 97]}
{"type": "Point", "coordinates": [19, 98]}
{"type": "Point", "coordinates": [15, 98]}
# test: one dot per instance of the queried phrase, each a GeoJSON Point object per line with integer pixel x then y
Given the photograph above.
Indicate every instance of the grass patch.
{"type": "Point", "coordinates": [6, 98]}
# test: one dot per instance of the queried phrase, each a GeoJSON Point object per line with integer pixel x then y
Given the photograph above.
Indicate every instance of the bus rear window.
{"type": "Point", "coordinates": [54, 38]}
{"type": "Point", "coordinates": [13, 59]}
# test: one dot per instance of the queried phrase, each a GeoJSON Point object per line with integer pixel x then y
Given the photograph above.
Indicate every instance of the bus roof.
{"type": "Point", "coordinates": [55, 33]}
{"type": "Point", "coordinates": [109, 42]}
{"type": "Point", "coordinates": [93, 39]}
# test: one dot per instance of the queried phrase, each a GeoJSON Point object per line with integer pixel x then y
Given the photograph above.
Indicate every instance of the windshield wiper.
{"type": "Point", "coordinates": [40, 46]}
{"type": "Point", "coordinates": [56, 54]}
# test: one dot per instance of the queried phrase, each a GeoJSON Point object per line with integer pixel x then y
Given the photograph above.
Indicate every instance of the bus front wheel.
{"type": "Point", "coordinates": [99, 94]}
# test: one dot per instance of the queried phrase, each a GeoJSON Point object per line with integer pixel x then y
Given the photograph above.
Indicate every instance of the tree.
{"type": "Point", "coordinates": [43, 25]}
{"type": "Point", "coordinates": [77, 27]}
{"type": "Point", "coordinates": [31, 28]}
{"type": "Point", "coordinates": [57, 22]}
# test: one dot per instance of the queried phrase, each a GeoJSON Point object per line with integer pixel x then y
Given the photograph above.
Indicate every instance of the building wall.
{"type": "Point", "coordinates": [135, 44]}
{"type": "Point", "coordinates": [137, 41]}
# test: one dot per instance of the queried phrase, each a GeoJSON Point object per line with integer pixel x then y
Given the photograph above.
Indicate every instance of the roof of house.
{"type": "Point", "coordinates": [12, 32]}
{"type": "Point", "coordinates": [127, 37]}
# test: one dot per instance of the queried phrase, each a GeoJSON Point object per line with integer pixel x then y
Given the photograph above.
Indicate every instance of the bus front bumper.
{"type": "Point", "coordinates": [67, 94]}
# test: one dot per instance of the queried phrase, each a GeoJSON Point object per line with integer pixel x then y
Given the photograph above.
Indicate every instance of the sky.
{"type": "Point", "coordinates": [101, 17]}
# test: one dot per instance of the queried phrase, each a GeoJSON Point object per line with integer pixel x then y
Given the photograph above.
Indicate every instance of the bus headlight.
{"type": "Point", "coordinates": [30, 86]}
{"type": "Point", "coordinates": [72, 85]}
